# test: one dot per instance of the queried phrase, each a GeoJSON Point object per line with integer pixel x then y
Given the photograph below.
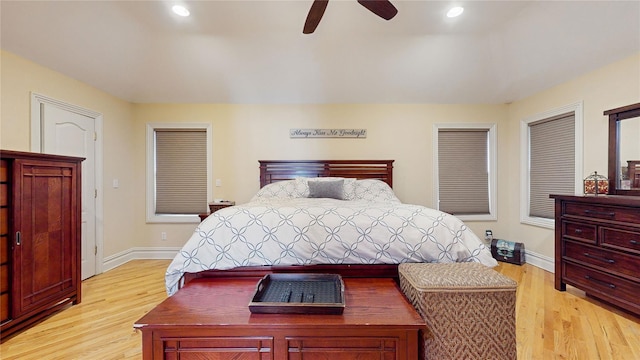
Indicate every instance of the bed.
{"type": "Point", "coordinates": [323, 216]}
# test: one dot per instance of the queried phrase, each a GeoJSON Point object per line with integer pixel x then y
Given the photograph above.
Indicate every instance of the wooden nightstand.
{"type": "Point", "coordinates": [215, 206]}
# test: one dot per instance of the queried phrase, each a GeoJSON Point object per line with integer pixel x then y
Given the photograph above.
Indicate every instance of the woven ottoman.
{"type": "Point", "coordinates": [469, 310]}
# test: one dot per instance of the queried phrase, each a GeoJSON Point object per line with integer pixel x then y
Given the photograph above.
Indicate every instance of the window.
{"type": "Point", "coordinates": [465, 163]}
{"type": "Point", "coordinates": [178, 171]}
{"type": "Point", "coordinates": [551, 162]}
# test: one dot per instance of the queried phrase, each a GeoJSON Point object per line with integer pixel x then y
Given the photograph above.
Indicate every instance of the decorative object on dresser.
{"type": "Point", "coordinates": [598, 247]}
{"type": "Point", "coordinates": [215, 206]}
{"type": "Point", "coordinates": [41, 234]}
{"type": "Point", "coordinates": [595, 184]}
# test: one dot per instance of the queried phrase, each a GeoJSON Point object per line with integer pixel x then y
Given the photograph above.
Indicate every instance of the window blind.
{"type": "Point", "coordinates": [552, 162]}
{"type": "Point", "coordinates": [181, 171]}
{"type": "Point", "coordinates": [463, 171]}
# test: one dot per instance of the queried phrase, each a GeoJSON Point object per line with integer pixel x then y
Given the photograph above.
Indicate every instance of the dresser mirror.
{"type": "Point", "coordinates": [624, 150]}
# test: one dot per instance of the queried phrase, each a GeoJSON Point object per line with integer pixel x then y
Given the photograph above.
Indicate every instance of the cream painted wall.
{"type": "Point", "coordinates": [612, 86]}
{"type": "Point", "coordinates": [244, 134]}
{"type": "Point", "coordinates": [20, 77]}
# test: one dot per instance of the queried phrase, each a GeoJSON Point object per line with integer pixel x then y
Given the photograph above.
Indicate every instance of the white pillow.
{"type": "Point", "coordinates": [286, 189]}
{"type": "Point", "coordinates": [367, 189]}
{"type": "Point", "coordinates": [375, 191]}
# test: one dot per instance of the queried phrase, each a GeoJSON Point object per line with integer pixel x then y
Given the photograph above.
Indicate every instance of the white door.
{"type": "Point", "coordinates": [65, 132]}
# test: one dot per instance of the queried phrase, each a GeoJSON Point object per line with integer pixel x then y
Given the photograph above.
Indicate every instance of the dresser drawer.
{"type": "Point", "coordinates": [4, 194]}
{"type": "Point", "coordinates": [580, 232]}
{"type": "Point", "coordinates": [4, 278]}
{"type": "Point", "coordinates": [610, 261]}
{"type": "Point", "coordinates": [4, 249]}
{"type": "Point", "coordinates": [620, 239]}
{"type": "Point", "coordinates": [610, 288]}
{"type": "Point", "coordinates": [622, 214]}
{"type": "Point", "coordinates": [4, 221]}
{"type": "Point", "coordinates": [4, 307]}
{"type": "Point", "coordinates": [4, 170]}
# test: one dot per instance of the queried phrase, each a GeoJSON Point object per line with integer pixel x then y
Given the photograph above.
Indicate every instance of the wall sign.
{"type": "Point", "coordinates": [328, 133]}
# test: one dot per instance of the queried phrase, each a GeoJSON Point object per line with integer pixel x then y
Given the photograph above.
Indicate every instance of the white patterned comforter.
{"type": "Point", "coordinates": [280, 227]}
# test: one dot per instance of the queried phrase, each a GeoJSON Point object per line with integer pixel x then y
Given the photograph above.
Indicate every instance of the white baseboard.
{"type": "Point", "coordinates": [541, 261]}
{"type": "Point", "coordinates": [113, 261]}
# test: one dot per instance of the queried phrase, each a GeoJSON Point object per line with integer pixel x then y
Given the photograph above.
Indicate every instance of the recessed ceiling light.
{"type": "Point", "coordinates": [455, 11]}
{"type": "Point", "coordinates": [180, 10]}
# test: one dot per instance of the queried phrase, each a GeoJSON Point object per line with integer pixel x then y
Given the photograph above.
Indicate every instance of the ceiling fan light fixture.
{"type": "Point", "coordinates": [382, 8]}
{"type": "Point", "coordinates": [180, 10]}
{"type": "Point", "coordinates": [455, 11]}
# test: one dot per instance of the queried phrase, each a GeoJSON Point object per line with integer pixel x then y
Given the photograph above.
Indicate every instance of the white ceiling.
{"type": "Point", "coordinates": [254, 51]}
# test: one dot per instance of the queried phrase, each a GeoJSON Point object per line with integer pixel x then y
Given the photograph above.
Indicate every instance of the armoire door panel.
{"type": "Point", "coordinates": [47, 226]}
{"type": "Point", "coordinates": [40, 197]}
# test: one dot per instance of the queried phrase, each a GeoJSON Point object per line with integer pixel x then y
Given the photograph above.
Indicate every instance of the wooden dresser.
{"type": "Point", "coordinates": [40, 237]}
{"type": "Point", "coordinates": [598, 247]}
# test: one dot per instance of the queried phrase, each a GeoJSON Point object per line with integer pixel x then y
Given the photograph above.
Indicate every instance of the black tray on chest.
{"type": "Point", "coordinates": [299, 294]}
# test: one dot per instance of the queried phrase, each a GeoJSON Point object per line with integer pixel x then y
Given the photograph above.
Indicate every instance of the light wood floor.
{"type": "Point", "coordinates": [550, 324]}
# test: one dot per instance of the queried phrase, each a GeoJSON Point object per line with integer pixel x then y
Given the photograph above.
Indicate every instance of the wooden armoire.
{"type": "Point", "coordinates": [40, 234]}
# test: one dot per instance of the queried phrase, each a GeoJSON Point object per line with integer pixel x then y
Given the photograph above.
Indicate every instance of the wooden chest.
{"type": "Point", "coordinates": [209, 319]}
{"type": "Point", "coordinates": [508, 251]}
{"type": "Point", "coordinates": [598, 247]}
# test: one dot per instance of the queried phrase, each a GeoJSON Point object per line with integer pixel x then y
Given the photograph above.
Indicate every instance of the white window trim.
{"type": "Point", "coordinates": [151, 186]}
{"type": "Point", "coordinates": [493, 167]}
{"type": "Point", "coordinates": [577, 109]}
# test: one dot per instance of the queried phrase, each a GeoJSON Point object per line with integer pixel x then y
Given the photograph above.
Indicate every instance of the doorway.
{"type": "Point", "coordinates": [65, 129]}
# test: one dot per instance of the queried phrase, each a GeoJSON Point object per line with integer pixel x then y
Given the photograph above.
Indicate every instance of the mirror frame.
{"type": "Point", "coordinates": [615, 116]}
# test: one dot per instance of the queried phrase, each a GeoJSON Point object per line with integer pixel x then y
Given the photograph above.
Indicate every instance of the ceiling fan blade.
{"type": "Point", "coordinates": [315, 14]}
{"type": "Point", "coordinates": [382, 8]}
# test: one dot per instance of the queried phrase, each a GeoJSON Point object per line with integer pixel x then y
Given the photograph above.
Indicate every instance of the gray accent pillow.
{"type": "Point", "coordinates": [326, 189]}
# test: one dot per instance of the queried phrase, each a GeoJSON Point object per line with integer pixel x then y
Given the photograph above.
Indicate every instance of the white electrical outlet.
{"type": "Point", "coordinates": [218, 182]}
{"type": "Point", "coordinates": [488, 236]}
{"type": "Point", "coordinates": [163, 236]}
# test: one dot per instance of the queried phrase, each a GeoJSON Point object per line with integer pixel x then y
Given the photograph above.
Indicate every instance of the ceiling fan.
{"type": "Point", "coordinates": [382, 8]}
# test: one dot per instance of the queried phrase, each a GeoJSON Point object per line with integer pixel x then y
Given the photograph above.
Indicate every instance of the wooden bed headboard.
{"type": "Point", "coordinates": [278, 170]}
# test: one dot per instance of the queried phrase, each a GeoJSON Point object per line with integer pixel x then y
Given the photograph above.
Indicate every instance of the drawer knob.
{"type": "Point", "coordinates": [605, 213]}
{"type": "Point", "coordinates": [578, 231]}
{"type": "Point", "coordinates": [633, 242]}
{"type": "Point", "coordinates": [610, 261]}
{"type": "Point", "coordinates": [601, 282]}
